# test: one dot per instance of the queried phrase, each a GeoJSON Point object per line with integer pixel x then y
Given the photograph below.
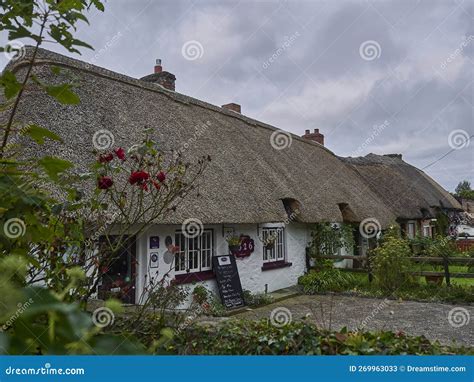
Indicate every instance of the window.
{"type": "Point", "coordinates": [195, 254]}
{"type": "Point", "coordinates": [426, 231]}
{"type": "Point", "coordinates": [274, 244]}
{"type": "Point", "coordinates": [411, 230]}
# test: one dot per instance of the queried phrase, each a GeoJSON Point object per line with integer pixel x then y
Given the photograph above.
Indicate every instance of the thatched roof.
{"type": "Point", "coordinates": [406, 190]}
{"type": "Point", "coordinates": [247, 178]}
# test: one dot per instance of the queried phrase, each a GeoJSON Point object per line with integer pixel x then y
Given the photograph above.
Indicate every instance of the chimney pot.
{"type": "Point", "coordinates": [232, 106]}
{"type": "Point", "coordinates": [160, 77]}
{"type": "Point", "coordinates": [316, 136]}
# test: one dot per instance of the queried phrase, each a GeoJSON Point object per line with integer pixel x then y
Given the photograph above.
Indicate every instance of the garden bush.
{"type": "Point", "coordinates": [262, 338]}
{"type": "Point", "coordinates": [257, 299]}
{"type": "Point", "coordinates": [327, 279]}
{"type": "Point", "coordinates": [390, 262]}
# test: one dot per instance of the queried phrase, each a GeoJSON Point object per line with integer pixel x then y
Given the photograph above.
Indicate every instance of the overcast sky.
{"type": "Point", "coordinates": [373, 76]}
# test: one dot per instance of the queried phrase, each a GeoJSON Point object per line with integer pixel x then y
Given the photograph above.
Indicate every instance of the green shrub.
{"type": "Point", "coordinates": [328, 279]}
{"type": "Point", "coordinates": [257, 299]}
{"type": "Point", "coordinates": [262, 338]}
{"type": "Point", "coordinates": [390, 263]}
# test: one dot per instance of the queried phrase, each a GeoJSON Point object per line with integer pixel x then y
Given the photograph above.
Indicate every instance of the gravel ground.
{"type": "Point", "coordinates": [449, 324]}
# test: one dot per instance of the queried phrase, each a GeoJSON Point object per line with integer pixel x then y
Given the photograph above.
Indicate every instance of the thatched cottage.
{"type": "Point", "coordinates": [249, 187]}
{"type": "Point", "coordinates": [412, 196]}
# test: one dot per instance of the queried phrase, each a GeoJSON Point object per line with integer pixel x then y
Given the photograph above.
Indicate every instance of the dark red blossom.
{"type": "Point", "coordinates": [156, 184]}
{"type": "Point", "coordinates": [104, 182]}
{"type": "Point", "coordinates": [120, 152]}
{"type": "Point", "coordinates": [138, 177]}
{"type": "Point", "coordinates": [144, 186]}
{"type": "Point", "coordinates": [161, 176]}
{"type": "Point", "coordinates": [104, 158]}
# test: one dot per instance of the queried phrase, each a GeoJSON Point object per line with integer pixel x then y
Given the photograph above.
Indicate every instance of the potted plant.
{"type": "Point", "coordinates": [234, 244]}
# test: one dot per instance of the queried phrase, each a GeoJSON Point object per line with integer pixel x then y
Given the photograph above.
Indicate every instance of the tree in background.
{"type": "Point", "coordinates": [464, 190]}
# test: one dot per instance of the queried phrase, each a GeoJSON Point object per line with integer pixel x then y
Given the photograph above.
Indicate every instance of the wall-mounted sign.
{"type": "Point", "coordinates": [228, 281]}
{"type": "Point", "coordinates": [154, 260]}
{"type": "Point", "coordinates": [154, 242]}
{"type": "Point", "coordinates": [247, 246]}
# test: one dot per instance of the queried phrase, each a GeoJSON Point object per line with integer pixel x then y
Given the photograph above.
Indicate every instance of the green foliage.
{"type": "Point", "coordinates": [390, 262]}
{"type": "Point", "coordinates": [297, 338]}
{"type": "Point", "coordinates": [257, 299]}
{"type": "Point", "coordinates": [63, 94]}
{"type": "Point", "coordinates": [233, 240]}
{"type": "Point", "coordinates": [327, 239]}
{"type": "Point", "coordinates": [200, 294]}
{"type": "Point", "coordinates": [325, 280]}
{"type": "Point", "coordinates": [464, 190]}
{"type": "Point", "coordinates": [38, 134]}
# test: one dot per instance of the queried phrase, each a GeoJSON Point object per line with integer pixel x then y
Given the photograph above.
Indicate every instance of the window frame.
{"type": "Point", "coordinates": [197, 251]}
{"type": "Point", "coordinates": [279, 250]}
{"type": "Point", "coordinates": [411, 223]}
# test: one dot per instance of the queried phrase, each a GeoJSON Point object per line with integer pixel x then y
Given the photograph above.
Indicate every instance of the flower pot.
{"type": "Point", "coordinates": [434, 280]}
{"type": "Point", "coordinates": [234, 249]}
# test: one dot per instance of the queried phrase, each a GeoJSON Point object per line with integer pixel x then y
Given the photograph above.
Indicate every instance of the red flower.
{"type": "Point", "coordinates": [138, 177]}
{"type": "Point", "coordinates": [105, 182]}
{"type": "Point", "coordinates": [144, 186]}
{"type": "Point", "coordinates": [120, 152]}
{"type": "Point", "coordinates": [104, 158]}
{"type": "Point", "coordinates": [156, 184]}
{"type": "Point", "coordinates": [161, 176]}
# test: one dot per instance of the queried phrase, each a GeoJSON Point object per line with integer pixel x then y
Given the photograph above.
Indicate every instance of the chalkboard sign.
{"type": "Point", "coordinates": [228, 281]}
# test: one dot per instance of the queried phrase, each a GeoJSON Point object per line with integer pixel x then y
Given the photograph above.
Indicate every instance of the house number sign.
{"type": "Point", "coordinates": [247, 246]}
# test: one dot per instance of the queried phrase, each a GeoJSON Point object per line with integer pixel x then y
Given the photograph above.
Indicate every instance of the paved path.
{"type": "Point", "coordinates": [414, 318]}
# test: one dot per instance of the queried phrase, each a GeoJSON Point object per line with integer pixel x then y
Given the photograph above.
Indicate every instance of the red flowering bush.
{"type": "Point", "coordinates": [120, 152]}
{"type": "Point", "coordinates": [105, 182]}
{"type": "Point", "coordinates": [139, 177]}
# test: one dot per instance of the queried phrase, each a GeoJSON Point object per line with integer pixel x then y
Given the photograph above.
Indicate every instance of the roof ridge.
{"type": "Point", "coordinates": [66, 61]}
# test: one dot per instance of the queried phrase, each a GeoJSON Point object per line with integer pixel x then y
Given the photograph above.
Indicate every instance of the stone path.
{"type": "Point", "coordinates": [414, 318]}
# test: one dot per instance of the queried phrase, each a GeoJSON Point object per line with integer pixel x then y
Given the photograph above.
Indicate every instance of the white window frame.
{"type": "Point", "coordinates": [409, 234]}
{"type": "Point", "coordinates": [192, 257]}
{"type": "Point", "coordinates": [278, 252]}
{"type": "Point", "coordinates": [427, 233]}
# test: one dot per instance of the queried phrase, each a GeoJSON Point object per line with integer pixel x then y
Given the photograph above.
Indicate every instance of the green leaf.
{"type": "Point", "coordinates": [54, 166]}
{"type": "Point", "coordinates": [10, 84]}
{"type": "Point", "coordinates": [63, 94]}
{"type": "Point", "coordinates": [38, 134]}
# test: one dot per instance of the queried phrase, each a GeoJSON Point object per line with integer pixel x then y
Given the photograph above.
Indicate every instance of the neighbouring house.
{"type": "Point", "coordinates": [412, 196]}
{"type": "Point", "coordinates": [252, 186]}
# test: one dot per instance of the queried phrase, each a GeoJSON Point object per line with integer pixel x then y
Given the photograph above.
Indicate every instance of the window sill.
{"type": "Point", "coordinates": [275, 265]}
{"type": "Point", "coordinates": [187, 278]}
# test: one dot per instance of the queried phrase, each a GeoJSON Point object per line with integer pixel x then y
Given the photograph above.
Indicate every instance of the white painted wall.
{"type": "Point", "coordinates": [250, 268]}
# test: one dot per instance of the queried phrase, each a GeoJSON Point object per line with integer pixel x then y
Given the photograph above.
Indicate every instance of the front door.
{"type": "Point", "coordinates": [119, 271]}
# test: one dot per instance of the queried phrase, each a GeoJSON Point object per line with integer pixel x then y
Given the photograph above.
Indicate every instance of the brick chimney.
{"type": "Point", "coordinates": [316, 136]}
{"type": "Point", "coordinates": [160, 77]}
{"type": "Point", "coordinates": [232, 106]}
